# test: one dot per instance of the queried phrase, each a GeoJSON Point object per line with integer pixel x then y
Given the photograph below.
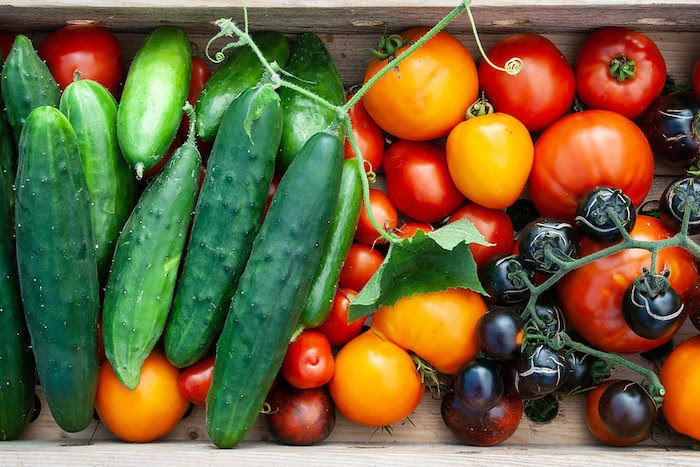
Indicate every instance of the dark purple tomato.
{"type": "Point", "coordinates": [479, 384]}
{"type": "Point", "coordinates": [677, 197]}
{"type": "Point", "coordinates": [593, 216]}
{"type": "Point", "coordinates": [499, 333]}
{"type": "Point", "coordinates": [551, 315]}
{"type": "Point", "coordinates": [501, 277]}
{"type": "Point", "coordinates": [544, 241]}
{"type": "Point", "coordinates": [652, 308]}
{"type": "Point", "coordinates": [692, 304]}
{"type": "Point", "coordinates": [579, 374]}
{"type": "Point", "coordinates": [627, 410]}
{"type": "Point", "coordinates": [541, 370]}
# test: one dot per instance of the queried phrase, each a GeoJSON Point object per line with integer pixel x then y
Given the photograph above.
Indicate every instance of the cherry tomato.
{"type": "Point", "coordinates": [336, 327]}
{"type": "Point", "coordinates": [479, 384]}
{"type": "Point", "coordinates": [148, 412]}
{"type": "Point", "coordinates": [583, 150]}
{"type": "Point", "coordinates": [408, 229]}
{"type": "Point", "coordinates": [494, 224]}
{"type": "Point", "coordinates": [627, 409]}
{"type": "Point", "coordinates": [368, 135]}
{"type": "Point", "coordinates": [651, 309]}
{"type": "Point", "coordinates": [418, 182]}
{"type": "Point", "coordinates": [541, 370]}
{"type": "Point", "coordinates": [360, 265]}
{"type": "Point", "coordinates": [692, 303]}
{"type": "Point", "coordinates": [680, 376]}
{"type": "Point", "coordinates": [500, 334]}
{"type": "Point", "coordinates": [200, 76]}
{"type": "Point", "coordinates": [591, 296]}
{"type": "Point", "coordinates": [89, 50]}
{"type": "Point", "coordinates": [427, 94]}
{"type": "Point", "coordinates": [195, 380]}
{"type": "Point", "coordinates": [376, 382]}
{"type": "Point", "coordinates": [385, 214]}
{"type": "Point", "coordinates": [541, 92]}
{"type": "Point", "coordinates": [308, 362]}
{"type": "Point", "coordinates": [439, 327]}
{"type": "Point", "coordinates": [482, 428]}
{"type": "Point", "coordinates": [595, 424]}
{"type": "Point", "coordinates": [489, 158]}
{"type": "Point", "coordinates": [542, 234]}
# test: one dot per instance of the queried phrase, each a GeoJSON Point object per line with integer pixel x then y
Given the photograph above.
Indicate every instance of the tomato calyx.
{"type": "Point", "coordinates": [389, 45]}
{"type": "Point", "coordinates": [622, 68]}
{"type": "Point", "coordinates": [480, 107]}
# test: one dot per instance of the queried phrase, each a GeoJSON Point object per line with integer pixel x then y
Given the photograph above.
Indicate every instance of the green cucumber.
{"type": "Point", "coordinates": [16, 359]}
{"type": "Point", "coordinates": [155, 91]}
{"type": "Point", "coordinates": [312, 68]}
{"type": "Point", "coordinates": [347, 214]}
{"type": "Point", "coordinates": [57, 267]}
{"type": "Point", "coordinates": [141, 281]}
{"type": "Point", "coordinates": [272, 290]}
{"type": "Point", "coordinates": [227, 218]}
{"type": "Point", "coordinates": [27, 84]}
{"type": "Point", "coordinates": [8, 158]}
{"type": "Point", "coordinates": [239, 71]}
{"type": "Point", "coordinates": [92, 111]}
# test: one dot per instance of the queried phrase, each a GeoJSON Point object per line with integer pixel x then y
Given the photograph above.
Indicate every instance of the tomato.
{"type": "Point", "coordinates": [620, 70]}
{"type": "Point", "coordinates": [7, 39]}
{"type": "Point", "coordinates": [88, 49]}
{"type": "Point", "coordinates": [428, 92]}
{"type": "Point", "coordinates": [308, 362]}
{"type": "Point", "coordinates": [271, 191]}
{"type": "Point", "coordinates": [418, 182]}
{"type": "Point", "coordinates": [439, 327]}
{"type": "Point", "coordinates": [489, 158]}
{"type": "Point", "coordinates": [591, 296]}
{"type": "Point", "coordinates": [409, 228]}
{"type": "Point", "coordinates": [148, 412]}
{"type": "Point", "coordinates": [488, 428]}
{"type": "Point", "coordinates": [200, 76]}
{"type": "Point", "coordinates": [150, 173]}
{"type": "Point", "coordinates": [595, 424]}
{"type": "Point", "coordinates": [368, 135]}
{"type": "Point", "coordinates": [695, 77]}
{"type": "Point", "coordinates": [337, 328]}
{"type": "Point", "coordinates": [541, 92]}
{"type": "Point", "coordinates": [375, 381]}
{"type": "Point", "coordinates": [680, 376]}
{"type": "Point", "coordinates": [385, 214]}
{"type": "Point", "coordinates": [494, 224]}
{"type": "Point", "coordinates": [360, 265]}
{"type": "Point", "coordinates": [583, 150]}
{"type": "Point", "coordinates": [195, 380]}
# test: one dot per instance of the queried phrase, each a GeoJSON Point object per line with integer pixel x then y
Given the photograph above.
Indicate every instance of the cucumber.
{"type": "Point", "coordinates": [57, 267]}
{"type": "Point", "coordinates": [312, 68]}
{"type": "Point", "coordinates": [227, 217]}
{"type": "Point", "coordinates": [272, 290]}
{"type": "Point", "coordinates": [239, 71]}
{"type": "Point", "coordinates": [16, 359]}
{"type": "Point", "coordinates": [154, 94]}
{"type": "Point", "coordinates": [92, 111]}
{"type": "Point", "coordinates": [347, 214]}
{"type": "Point", "coordinates": [141, 281]}
{"type": "Point", "coordinates": [8, 158]}
{"type": "Point", "coordinates": [27, 84]}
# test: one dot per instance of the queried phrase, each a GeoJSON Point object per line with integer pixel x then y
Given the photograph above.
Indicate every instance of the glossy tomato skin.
{"type": "Point", "coordinates": [418, 181]}
{"type": "Point", "coordinates": [360, 265]}
{"type": "Point", "coordinates": [591, 296]}
{"type": "Point", "coordinates": [598, 89]}
{"type": "Point", "coordinates": [427, 94]}
{"type": "Point", "coordinates": [309, 361]}
{"type": "Point", "coordinates": [494, 224]}
{"type": "Point", "coordinates": [336, 327]}
{"type": "Point", "coordinates": [91, 49]}
{"type": "Point", "coordinates": [583, 150]}
{"type": "Point", "coordinates": [195, 380]}
{"type": "Point", "coordinates": [680, 376]}
{"type": "Point", "coordinates": [385, 214]}
{"type": "Point", "coordinates": [368, 135]}
{"type": "Point", "coordinates": [409, 228]}
{"type": "Point", "coordinates": [595, 424]}
{"type": "Point", "coordinates": [541, 92]}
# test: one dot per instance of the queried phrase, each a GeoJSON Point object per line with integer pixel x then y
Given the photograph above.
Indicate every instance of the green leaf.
{"type": "Point", "coordinates": [423, 263]}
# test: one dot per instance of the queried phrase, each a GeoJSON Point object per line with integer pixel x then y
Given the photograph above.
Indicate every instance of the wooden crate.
{"type": "Point", "coordinates": [348, 27]}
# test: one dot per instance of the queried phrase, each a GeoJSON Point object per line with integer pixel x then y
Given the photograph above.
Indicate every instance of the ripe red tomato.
{"type": "Point", "coordinates": [595, 424]}
{"type": "Point", "coordinates": [385, 214]}
{"type": "Point", "coordinates": [308, 362]}
{"type": "Point", "coordinates": [494, 224]}
{"type": "Point", "coordinates": [696, 77]}
{"type": "Point", "coordinates": [541, 92]}
{"type": "Point", "coordinates": [369, 137]}
{"type": "Point", "coordinates": [336, 327]}
{"type": "Point", "coordinates": [195, 380]}
{"type": "Point", "coordinates": [6, 41]}
{"type": "Point", "coordinates": [680, 376]}
{"type": "Point", "coordinates": [586, 149]}
{"type": "Point", "coordinates": [418, 181]}
{"type": "Point", "coordinates": [591, 296]}
{"type": "Point", "coordinates": [88, 49]}
{"type": "Point", "coordinates": [409, 228]}
{"type": "Point", "coordinates": [620, 70]}
{"type": "Point", "coordinates": [360, 265]}
{"type": "Point", "coordinates": [427, 94]}
{"type": "Point", "coordinates": [200, 75]}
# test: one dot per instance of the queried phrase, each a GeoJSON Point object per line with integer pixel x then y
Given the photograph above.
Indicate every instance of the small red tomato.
{"type": "Point", "coordinates": [309, 361]}
{"type": "Point", "coordinates": [385, 214]}
{"type": "Point", "coordinates": [195, 380]}
{"type": "Point", "coordinates": [360, 265]}
{"type": "Point", "coordinates": [200, 75]}
{"type": "Point", "coordinates": [271, 191]}
{"type": "Point", "coordinates": [369, 137]}
{"type": "Point", "coordinates": [494, 224]}
{"type": "Point", "coordinates": [336, 327]}
{"type": "Point", "coordinates": [409, 228]}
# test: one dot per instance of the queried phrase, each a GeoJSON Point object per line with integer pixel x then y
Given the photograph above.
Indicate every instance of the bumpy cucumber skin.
{"type": "Point", "coordinates": [271, 293]}
{"type": "Point", "coordinates": [155, 91]}
{"type": "Point", "coordinates": [347, 214]}
{"type": "Point", "coordinates": [228, 214]}
{"type": "Point", "coordinates": [239, 71]}
{"type": "Point", "coordinates": [141, 281]}
{"type": "Point", "coordinates": [92, 111]}
{"type": "Point", "coordinates": [27, 84]}
{"type": "Point", "coordinates": [8, 159]}
{"type": "Point", "coordinates": [57, 267]}
{"type": "Point", "coordinates": [311, 63]}
{"type": "Point", "coordinates": [16, 358]}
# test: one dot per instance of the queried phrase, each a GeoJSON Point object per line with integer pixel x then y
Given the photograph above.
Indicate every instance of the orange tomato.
{"type": "Point", "coordinates": [680, 376]}
{"type": "Point", "coordinates": [148, 412]}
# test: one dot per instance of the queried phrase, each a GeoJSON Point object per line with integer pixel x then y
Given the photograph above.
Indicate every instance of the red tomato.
{"type": "Point", "coordinates": [88, 49]}
{"type": "Point", "coordinates": [409, 229]}
{"type": "Point", "coordinates": [368, 135]}
{"type": "Point", "coordinates": [696, 77]}
{"type": "Point", "coordinates": [308, 362]}
{"type": "Point", "coordinates": [586, 149]}
{"type": "Point", "coordinates": [541, 92]}
{"type": "Point", "coordinates": [200, 75]}
{"type": "Point", "coordinates": [418, 181]}
{"type": "Point", "coordinates": [195, 380]}
{"type": "Point", "coordinates": [148, 173]}
{"type": "Point", "coordinates": [384, 213]}
{"type": "Point", "coordinates": [360, 265]}
{"type": "Point", "coordinates": [6, 41]}
{"type": "Point", "coordinates": [336, 327]}
{"type": "Point", "coordinates": [494, 224]}
{"type": "Point", "coordinates": [620, 70]}
{"type": "Point", "coordinates": [595, 424]}
{"type": "Point", "coordinates": [680, 376]}
{"type": "Point", "coordinates": [591, 296]}
{"type": "Point", "coordinates": [271, 191]}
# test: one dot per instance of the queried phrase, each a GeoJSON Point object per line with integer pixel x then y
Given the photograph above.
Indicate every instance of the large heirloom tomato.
{"type": "Point", "coordinates": [591, 296]}
{"type": "Point", "coordinates": [428, 92]}
{"type": "Point", "coordinates": [583, 150]}
{"type": "Point", "coordinates": [680, 376]}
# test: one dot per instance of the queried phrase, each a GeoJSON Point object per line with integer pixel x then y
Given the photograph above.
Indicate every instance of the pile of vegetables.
{"type": "Point", "coordinates": [220, 238]}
